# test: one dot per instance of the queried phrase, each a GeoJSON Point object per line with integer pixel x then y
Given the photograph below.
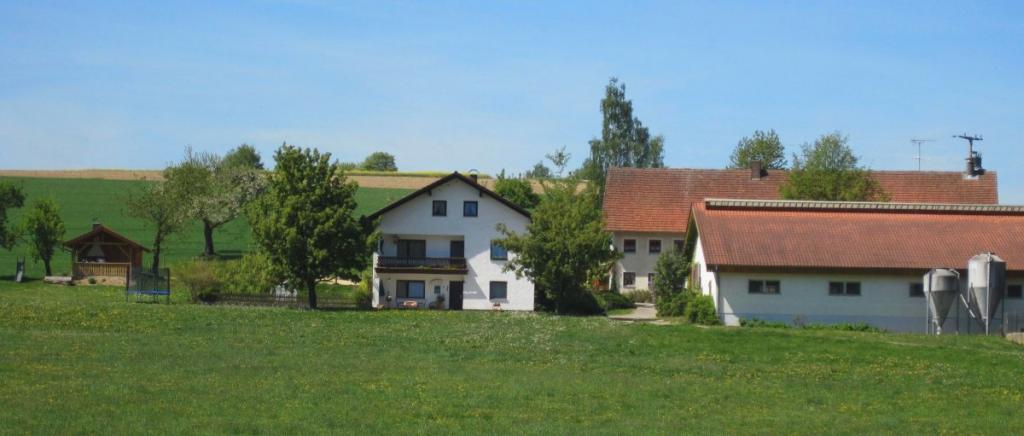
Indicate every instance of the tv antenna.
{"type": "Point", "coordinates": [918, 143]}
{"type": "Point", "coordinates": [973, 158]}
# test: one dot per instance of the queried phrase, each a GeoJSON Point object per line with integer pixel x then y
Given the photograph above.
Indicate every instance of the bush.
{"type": "Point", "coordinates": [641, 296]}
{"type": "Point", "coordinates": [701, 310]}
{"type": "Point", "coordinates": [673, 305]}
{"type": "Point", "coordinates": [253, 274]}
{"type": "Point", "coordinates": [755, 322]}
{"type": "Point", "coordinates": [364, 290]}
{"type": "Point", "coordinates": [581, 303]}
{"type": "Point", "coordinates": [201, 280]}
{"type": "Point", "coordinates": [613, 300]}
{"type": "Point", "coordinates": [92, 280]}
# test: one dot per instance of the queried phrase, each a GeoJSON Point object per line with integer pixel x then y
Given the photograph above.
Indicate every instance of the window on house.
{"type": "Point", "coordinates": [654, 246]}
{"type": "Point", "coordinates": [764, 287]}
{"type": "Point", "coordinates": [411, 289]}
{"type": "Point", "coordinates": [412, 249]}
{"type": "Point", "coordinates": [1015, 291]}
{"type": "Point", "coordinates": [916, 289]}
{"type": "Point", "coordinates": [440, 208]}
{"type": "Point", "coordinates": [678, 244]}
{"type": "Point", "coordinates": [844, 288]}
{"type": "Point", "coordinates": [650, 281]}
{"type": "Point", "coordinates": [469, 208]}
{"type": "Point", "coordinates": [629, 245]}
{"type": "Point", "coordinates": [628, 279]}
{"type": "Point", "coordinates": [499, 290]}
{"type": "Point", "coordinates": [498, 252]}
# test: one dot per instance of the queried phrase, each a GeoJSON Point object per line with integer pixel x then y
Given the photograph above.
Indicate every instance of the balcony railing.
{"type": "Point", "coordinates": [456, 263]}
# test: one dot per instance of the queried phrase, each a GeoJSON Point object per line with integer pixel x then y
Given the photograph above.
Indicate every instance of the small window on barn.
{"type": "Point", "coordinates": [628, 279]}
{"type": "Point", "coordinates": [844, 288]}
{"type": "Point", "coordinates": [440, 208]}
{"type": "Point", "coordinates": [654, 246]}
{"type": "Point", "coordinates": [1015, 291]}
{"type": "Point", "coordinates": [771, 287]}
{"type": "Point", "coordinates": [629, 245]}
{"type": "Point", "coordinates": [916, 289]}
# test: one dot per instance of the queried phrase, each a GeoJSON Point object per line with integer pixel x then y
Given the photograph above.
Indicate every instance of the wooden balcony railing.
{"type": "Point", "coordinates": [456, 263]}
{"type": "Point", "coordinates": [100, 269]}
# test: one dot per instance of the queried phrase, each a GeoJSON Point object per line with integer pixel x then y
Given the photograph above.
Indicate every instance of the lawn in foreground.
{"type": "Point", "coordinates": [82, 360]}
{"type": "Point", "coordinates": [84, 200]}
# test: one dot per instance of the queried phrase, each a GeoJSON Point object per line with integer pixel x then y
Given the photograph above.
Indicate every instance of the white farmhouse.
{"type": "Point", "coordinates": [835, 262]}
{"type": "Point", "coordinates": [646, 209]}
{"type": "Point", "coordinates": [437, 249]}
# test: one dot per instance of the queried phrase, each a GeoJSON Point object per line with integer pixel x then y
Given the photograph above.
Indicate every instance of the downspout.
{"type": "Point", "coordinates": [718, 296]}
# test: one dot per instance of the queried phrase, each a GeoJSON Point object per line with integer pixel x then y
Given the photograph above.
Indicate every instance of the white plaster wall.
{"type": "Point", "coordinates": [414, 220]}
{"type": "Point", "coordinates": [641, 262]}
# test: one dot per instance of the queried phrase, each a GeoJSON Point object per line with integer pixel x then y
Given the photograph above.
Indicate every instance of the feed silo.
{"type": "Point", "coordinates": [941, 289]}
{"type": "Point", "coordinates": [986, 282]}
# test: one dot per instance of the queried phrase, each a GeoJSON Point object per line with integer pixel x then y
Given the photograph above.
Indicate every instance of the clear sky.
{"type": "Point", "coordinates": [491, 85]}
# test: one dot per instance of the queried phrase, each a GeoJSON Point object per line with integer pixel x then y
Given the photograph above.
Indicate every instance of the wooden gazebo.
{"type": "Point", "coordinates": [102, 252]}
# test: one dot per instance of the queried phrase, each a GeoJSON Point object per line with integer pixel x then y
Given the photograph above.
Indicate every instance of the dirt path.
{"type": "Point", "coordinates": [644, 312]}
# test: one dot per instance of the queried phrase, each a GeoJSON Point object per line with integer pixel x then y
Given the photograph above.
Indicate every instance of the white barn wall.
{"type": "Point", "coordinates": [641, 262]}
{"type": "Point", "coordinates": [414, 220]}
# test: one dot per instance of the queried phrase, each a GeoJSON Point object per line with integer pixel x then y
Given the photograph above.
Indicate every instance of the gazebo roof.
{"type": "Point", "coordinates": [98, 229]}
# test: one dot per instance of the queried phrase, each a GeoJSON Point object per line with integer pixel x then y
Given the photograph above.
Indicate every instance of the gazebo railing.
{"type": "Point", "coordinates": [100, 269]}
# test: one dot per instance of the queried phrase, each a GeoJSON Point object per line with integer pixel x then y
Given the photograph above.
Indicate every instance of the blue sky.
{"type": "Point", "coordinates": [491, 85]}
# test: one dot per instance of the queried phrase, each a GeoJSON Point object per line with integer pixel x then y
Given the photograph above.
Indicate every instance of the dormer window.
{"type": "Point", "coordinates": [469, 208]}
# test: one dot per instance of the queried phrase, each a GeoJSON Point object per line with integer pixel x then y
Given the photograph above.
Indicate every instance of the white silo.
{"type": "Point", "coordinates": [986, 282]}
{"type": "Point", "coordinates": [941, 288]}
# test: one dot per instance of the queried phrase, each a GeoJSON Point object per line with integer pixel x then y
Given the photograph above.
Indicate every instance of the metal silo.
{"type": "Point", "coordinates": [986, 281]}
{"type": "Point", "coordinates": [941, 288]}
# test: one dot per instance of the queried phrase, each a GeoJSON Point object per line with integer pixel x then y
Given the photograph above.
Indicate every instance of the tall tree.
{"type": "Point", "coordinates": [380, 161]}
{"type": "Point", "coordinates": [764, 147]}
{"type": "Point", "coordinates": [159, 205]}
{"type": "Point", "coordinates": [624, 142]}
{"type": "Point", "coordinates": [564, 246]}
{"type": "Point", "coordinates": [215, 191]}
{"type": "Point", "coordinates": [11, 197]}
{"type": "Point", "coordinates": [306, 221]}
{"type": "Point", "coordinates": [539, 171]}
{"type": "Point", "coordinates": [517, 190]}
{"type": "Point", "coordinates": [245, 156]}
{"type": "Point", "coordinates": [44, 229]}
{"type": "Point", "coordinates": [828, 170]}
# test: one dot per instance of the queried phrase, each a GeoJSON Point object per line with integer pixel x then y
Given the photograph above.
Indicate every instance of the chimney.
{"type": "Point", "coordinates": [95, 225]}
{"type": "Point", "coordinates": [756, 171]}
{"type": "Point", "coordinates": [473, 175]}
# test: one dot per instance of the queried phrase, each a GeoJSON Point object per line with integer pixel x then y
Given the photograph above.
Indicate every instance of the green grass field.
{"type": "Point", "coordinates": [81, 360]}
{"type": "Point", "coordinates": [83, 200]}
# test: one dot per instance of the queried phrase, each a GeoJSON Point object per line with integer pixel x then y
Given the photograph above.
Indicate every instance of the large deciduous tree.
{"type": "Point", "coordinates": [564, 246]}
{"type": "Point", "coordinates": [306, 223]}
{"type": "Point", "coordinates": [624, 142]}
{"type": "Point", "coordinates": [160, 206]}
{"type": "Point", "coordinates": [215, 190]}
{"type": "Point", "coordinates": [380, 161]}
{"type": "Point", "coordinates": [44, 230]}
{"type": "Point", "coordinates": [828, 170]}
{"type": "Point", "coordinates": [11, 197]}
{"type": "Point", "coordinates": [517, 190]}
{"type": "Point", "coordinates": [762, 146]}
{"type": "Point", "coordinates": [245, 156]}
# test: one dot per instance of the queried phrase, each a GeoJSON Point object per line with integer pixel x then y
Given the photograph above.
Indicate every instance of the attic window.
{"type": "Point", "coordinates": [654, 246]}
{"type": "Point", "coordinates": [440, 208]}
{"type": "Point", "coordinates": [469, 208]}
{"type": "Point", "coordinates": [629, 245]}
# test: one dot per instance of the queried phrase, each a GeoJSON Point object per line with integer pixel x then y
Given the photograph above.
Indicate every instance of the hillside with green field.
{"type": "Point", "coordinates": [82, 360]}
{"type": "Point", "coordinates": [84, 200]}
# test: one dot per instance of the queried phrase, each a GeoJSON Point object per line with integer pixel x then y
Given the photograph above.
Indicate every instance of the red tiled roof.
{"type": "Point", "coordinates": [884, 238]}
{"type": "Point", "coordinates": [659, 200]}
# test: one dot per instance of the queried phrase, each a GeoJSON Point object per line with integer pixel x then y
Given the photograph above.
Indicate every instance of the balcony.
{"type": "Point", "coordinates": [429, 265]}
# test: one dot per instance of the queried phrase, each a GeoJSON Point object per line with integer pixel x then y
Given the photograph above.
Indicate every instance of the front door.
{"type": "Point", "coordinates": [455, 295]}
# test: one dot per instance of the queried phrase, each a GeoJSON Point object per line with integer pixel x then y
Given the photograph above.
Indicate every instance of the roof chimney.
{"type": "Point", "coordinates": [473, 175]}
{"type": "Point", "coordinates": [756, 170]}
{"type": "Point", "coordinates": [95, 225]}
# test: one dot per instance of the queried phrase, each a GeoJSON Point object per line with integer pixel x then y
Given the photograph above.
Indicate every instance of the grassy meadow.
{"type": "Point", "coordinates": [83, 200]}
{"type": "Point", "coordinates": [81, 360]}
